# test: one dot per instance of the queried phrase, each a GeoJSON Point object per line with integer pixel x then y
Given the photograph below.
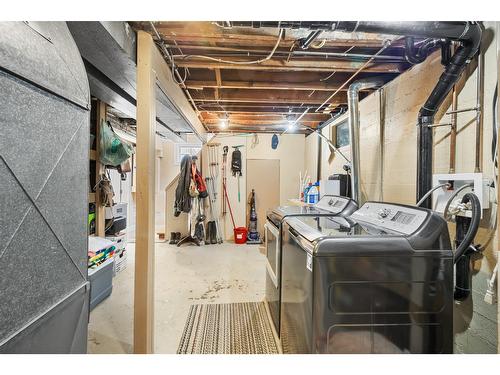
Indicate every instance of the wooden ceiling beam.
{"type": "Point", "coordinates": [203, 49]}
{"type": "Point", "coordinates": [266, 96]}
{"type": "Point", "coordinates": [258, 109]}
{"type": "Point", "coordinates": [264, 116]}
{"type": "Point", "coordinates": [236, 39]}
{"type": "Point", "coordinates": [257, 85]}
{"type": "Point", "coordinates": [257, 122]}
{"type": "Point", "coordinates": [297, 65]}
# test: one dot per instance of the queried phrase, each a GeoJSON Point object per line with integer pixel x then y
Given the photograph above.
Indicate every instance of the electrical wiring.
{"type": "Point", "coordinates": [328, 76]}
{"type": "Point", "coordinates": [165, 51]}
{"type": "Point", "coordinates": [386, 45]}
{"type": "Point", "coordinates": [268, 57]}
{"type": "Point", "coordinates": [319, 45]}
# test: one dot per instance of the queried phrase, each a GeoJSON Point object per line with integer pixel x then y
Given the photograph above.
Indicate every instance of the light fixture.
{"type": "Point", "coordinates": [291, 122]}
{"type": "Point", "coordinates": [223, 121]}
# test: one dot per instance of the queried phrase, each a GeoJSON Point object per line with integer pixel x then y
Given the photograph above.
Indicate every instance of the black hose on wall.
{"type": "Point", "coordinates": [466, 231]}
{"type": "Point", "coordinates": [467, 33]}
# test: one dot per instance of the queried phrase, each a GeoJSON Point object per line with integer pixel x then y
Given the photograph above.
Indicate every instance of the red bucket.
{"type": "Point", "coordinates": [240, 235]}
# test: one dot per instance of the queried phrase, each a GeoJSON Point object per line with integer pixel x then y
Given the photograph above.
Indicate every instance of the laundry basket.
{"type": "Point", "coordinates": [240, 235]}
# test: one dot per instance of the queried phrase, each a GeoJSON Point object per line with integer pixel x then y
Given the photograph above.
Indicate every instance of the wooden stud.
{"type": "Point", "coordinates": [145, 197]}
{"type": "Point", "coordinates": [100, 211]}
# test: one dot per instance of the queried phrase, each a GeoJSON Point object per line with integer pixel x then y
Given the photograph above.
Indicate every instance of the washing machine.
{"type": "Point", "coordinates": [328, 205]}
{"type": "Point", "coordinates": [377, 281]}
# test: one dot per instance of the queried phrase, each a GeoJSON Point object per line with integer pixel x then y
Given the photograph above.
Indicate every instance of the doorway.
{"type": "Point", "coordinates": [263, 175]}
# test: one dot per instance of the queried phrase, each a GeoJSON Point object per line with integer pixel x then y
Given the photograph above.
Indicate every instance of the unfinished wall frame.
{"type": "Point", "coordinates": [152, 71]}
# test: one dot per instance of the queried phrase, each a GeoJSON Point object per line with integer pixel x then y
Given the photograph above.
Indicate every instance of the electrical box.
{"type": "Point", "coordinates": [481, 188]}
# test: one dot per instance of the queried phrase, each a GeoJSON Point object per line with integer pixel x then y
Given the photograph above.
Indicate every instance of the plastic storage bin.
{"type": "Point", "coordinates": [120, 261]}
{"type": "Point", "coordinates": [101, 282]}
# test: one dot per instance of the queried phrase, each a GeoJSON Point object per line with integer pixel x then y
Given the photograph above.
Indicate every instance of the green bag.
{"type": "Point", "coordinates": [113, 150]}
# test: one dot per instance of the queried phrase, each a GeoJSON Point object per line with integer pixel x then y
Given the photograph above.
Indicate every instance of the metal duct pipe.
{"type": "Point", "coordinates": [354, 125]}
{"type": "Point", "coordinates": [467, 33]}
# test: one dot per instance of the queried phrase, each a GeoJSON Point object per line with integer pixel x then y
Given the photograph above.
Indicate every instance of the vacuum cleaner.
{"type": "Point", "coordinates": [253, 236]}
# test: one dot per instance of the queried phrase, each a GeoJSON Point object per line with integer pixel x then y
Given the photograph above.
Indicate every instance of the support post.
{"type": "Point", "coordinates": [145, 197]}
{"type": "Point", "coordinates": [100, 213]}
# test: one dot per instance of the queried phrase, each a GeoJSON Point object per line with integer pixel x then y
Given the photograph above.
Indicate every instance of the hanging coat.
{"type": "Point", "coordinates": [182, 198]}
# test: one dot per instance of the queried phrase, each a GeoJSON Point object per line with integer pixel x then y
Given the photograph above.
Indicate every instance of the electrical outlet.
{"type": "Point", "coordinates": [490, 297]}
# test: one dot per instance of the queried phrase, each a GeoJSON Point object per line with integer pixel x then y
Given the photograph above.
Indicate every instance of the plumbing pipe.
{"type": "Point", "coordinates": [467, 33]}
{"type": "Point", "coordinates": [462, 110]}
{"type": "Point", "coordinates": [473, 227]}
{"type": "Point", "coordinates": [382, 106]}
{"type": "Point", "coordinates": [306, 42]}
{"type": "Point", "coordinates": [354, 126]}
{"type": "Point", "coordinates": [465, 248]}
{"type": "Point", "coordinates": [453, 130]}
{"type": "Point", "coordinates": [479, 110]}
{"type": "Point", "coordinates": [414, 56]}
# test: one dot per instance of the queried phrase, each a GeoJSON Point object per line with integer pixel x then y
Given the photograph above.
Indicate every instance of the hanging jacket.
{"type": "Point", "coordinates": [182, 198]}
{"type": "Point", "coordinates": [199, 182]}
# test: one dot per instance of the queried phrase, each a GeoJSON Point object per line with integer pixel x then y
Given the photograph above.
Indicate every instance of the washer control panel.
{"type": "Point", "coordinates": [332, 203]}
{"type": "Point", "coordinates": [394, 217]}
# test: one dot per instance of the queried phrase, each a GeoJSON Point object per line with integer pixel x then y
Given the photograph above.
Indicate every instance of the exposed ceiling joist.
{"type": "Point", "coordinates": [267, 96]}
{"type": "Point", "coordinates": [257, 85]}
{"type": "Point", "coordinates": [258, 97]}
{"type": "Point", "coordinates": [297, 65]}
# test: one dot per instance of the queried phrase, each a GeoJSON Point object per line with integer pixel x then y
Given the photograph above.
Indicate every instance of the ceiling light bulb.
{"type": "Point", "coordinates": [291, 125]}
{"type": "Point", "coordinates": [223, 123]}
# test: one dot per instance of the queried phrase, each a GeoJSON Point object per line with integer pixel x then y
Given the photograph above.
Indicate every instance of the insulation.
{"type": "Point", "coordinates": [44, 168]}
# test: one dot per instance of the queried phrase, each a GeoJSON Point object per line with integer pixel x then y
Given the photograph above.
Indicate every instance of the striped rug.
{"type": "Point", "coordinates": [231, 328]}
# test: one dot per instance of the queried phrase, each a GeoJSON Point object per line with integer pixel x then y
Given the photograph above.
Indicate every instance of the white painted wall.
{"type": "Point", "coordinates": [290, 152]}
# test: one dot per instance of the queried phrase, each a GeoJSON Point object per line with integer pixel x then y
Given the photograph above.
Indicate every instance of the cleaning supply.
{"type": "Point", "coordinates": [240, 233]}
{"type": "Point", "coordinates": [313, 194]}
{"type": "Point", "coordinates": [306, 191]}
{"type": "Point", "coordinates": [253, 236]}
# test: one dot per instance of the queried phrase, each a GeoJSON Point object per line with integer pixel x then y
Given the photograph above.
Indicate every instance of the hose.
{"type": "Point", "coordinates": [455, 193]}
{"type": "Point", "coordinates": [447, 185]}
{"type": "Point", "coordinates": [473, 227]}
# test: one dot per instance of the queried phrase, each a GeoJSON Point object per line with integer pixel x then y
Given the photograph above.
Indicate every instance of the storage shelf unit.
{"type": "Point", "coordinates": [98, 113]}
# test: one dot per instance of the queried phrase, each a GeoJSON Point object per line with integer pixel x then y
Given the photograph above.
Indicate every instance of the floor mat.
{"type": "Point", "coordinates": [230, 328]}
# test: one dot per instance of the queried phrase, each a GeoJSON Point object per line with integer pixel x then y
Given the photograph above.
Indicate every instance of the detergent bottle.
{"type": "Point", "coordinates": [306, 191]}
{"type": "Point", "coordinates": [313, 194]}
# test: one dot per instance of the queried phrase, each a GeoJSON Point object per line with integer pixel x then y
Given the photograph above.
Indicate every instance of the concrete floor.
{"type": "Point", "coordinates": [184, 276]}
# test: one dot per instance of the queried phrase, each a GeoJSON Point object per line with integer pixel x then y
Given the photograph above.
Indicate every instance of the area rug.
{"type": "Point", "coordinates": [231, 328]}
